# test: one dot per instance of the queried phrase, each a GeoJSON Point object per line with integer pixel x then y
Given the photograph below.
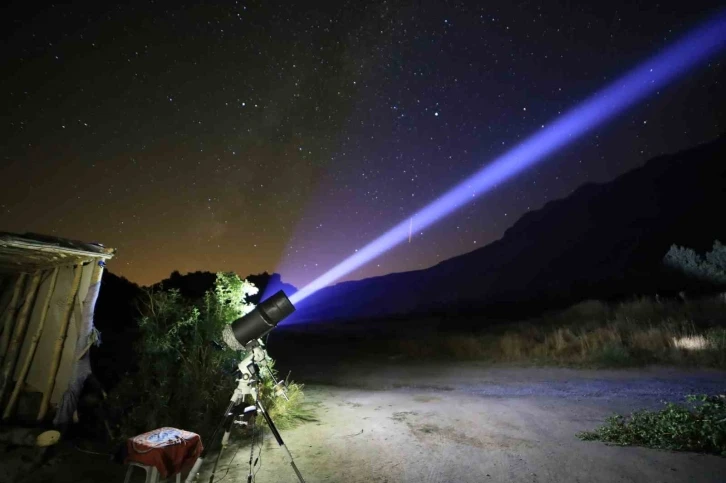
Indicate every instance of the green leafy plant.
{"type": "Point", "coordinates": [185, 373]}
{"type": "Point", "coordinates": [699, 425]}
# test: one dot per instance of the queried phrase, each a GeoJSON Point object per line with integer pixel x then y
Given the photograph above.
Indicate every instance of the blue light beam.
{"type": "Point", "coordinates": [696, 47]}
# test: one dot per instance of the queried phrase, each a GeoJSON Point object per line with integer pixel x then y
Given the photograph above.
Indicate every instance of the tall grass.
{"type": "Point", "coordinates": [593, 333]}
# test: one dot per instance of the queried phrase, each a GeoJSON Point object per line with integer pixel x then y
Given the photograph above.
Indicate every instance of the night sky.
{"type": "Point", "coordinates": [266, 136]}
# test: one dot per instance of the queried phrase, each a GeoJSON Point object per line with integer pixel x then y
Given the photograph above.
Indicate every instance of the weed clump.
{"type": "Point", "coordinates": [699, 425]}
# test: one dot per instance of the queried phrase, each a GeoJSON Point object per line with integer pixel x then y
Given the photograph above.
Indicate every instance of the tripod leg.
{"type": "Point", "coordinates": [198, 464]}
{"type": "Point", "coordinates": [250, 474]}
{"type": "Point", "coordinates": [228, 423]}
{"type": "Point", "coordinates": [280, 442]}
{"type": "Point", "coordinates": [216, 463]}
{"type": "Point", "coordinates": [225, 439]}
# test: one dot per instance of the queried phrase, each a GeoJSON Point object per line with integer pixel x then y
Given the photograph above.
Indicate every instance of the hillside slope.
{"type": "Point", "coordinates": [604, 240]}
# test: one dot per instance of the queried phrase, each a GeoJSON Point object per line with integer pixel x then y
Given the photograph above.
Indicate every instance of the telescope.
{"type": "Point", "coordinates": [262, 319]}
{"type": "Point", "coordinates": [247, 330]}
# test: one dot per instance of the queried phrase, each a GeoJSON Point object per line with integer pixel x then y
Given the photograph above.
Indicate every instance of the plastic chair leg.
{"type": "Point", "coordinates": [152, 476]}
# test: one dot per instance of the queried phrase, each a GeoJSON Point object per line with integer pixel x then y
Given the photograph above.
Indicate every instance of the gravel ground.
{"type": "Point", "coordinates": [473, 423]}
{"type": "Point", "coordinates": [395, 422]}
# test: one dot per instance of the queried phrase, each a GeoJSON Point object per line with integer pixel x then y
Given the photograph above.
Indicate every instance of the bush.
{"type": "Point", "coordinates": [614, 355]}
{"type": "Point", "coordinates": [711, 268]}
{"type": "Point", "coordinates": [185, 373]}
{"type": "Point", "coordinates": [698, 426]}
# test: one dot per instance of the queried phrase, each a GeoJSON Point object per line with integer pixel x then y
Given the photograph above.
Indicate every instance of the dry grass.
{"type": "Point", "coordinates": [293, 410]}
{"type": "Point", "coordinates": [592, 333]}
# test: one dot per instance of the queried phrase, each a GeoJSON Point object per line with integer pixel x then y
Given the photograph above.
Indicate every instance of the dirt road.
{"type": "Point", "coordinates": [469, 423]}
{"type": "Point", "coordinates": [395, 422]}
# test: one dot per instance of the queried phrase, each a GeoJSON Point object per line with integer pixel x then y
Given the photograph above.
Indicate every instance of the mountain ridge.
{"type": "Point", "coordinates": [603, 240]}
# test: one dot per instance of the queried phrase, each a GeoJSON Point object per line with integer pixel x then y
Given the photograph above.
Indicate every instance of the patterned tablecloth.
{"type": "Point", "coordinates": [170, 450]}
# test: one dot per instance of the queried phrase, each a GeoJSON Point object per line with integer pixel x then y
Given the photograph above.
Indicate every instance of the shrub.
{"type": "Point", "coordinates": [700, 426]}
{"type": "Point", "coordinates": [711, 268]}
{"type": "Point", "coordinates": [614, 355]}
{"type": "Point", "coordinates": [185, 373]}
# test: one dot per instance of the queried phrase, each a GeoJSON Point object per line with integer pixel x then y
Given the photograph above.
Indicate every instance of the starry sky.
{"type": "Point", "coordinates": [281, 136]}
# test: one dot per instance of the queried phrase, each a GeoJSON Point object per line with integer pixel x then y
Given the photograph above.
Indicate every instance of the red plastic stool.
{"type": "Point", "coordinates": [162, 453]}
{"type": "Point", "coordinates": [152, 474]}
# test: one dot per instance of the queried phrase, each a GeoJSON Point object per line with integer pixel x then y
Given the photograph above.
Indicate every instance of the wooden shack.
{"type": "Point", "coordinates": [48, 290]}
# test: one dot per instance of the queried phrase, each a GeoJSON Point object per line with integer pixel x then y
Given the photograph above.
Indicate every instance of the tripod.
{"type": "Point", "coordinates": [247, 384]}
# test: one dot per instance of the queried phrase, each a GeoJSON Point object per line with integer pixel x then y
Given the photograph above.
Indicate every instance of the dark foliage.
{"type": "Point", "coordinates": [195, 284]}
{"type": "Point", "coordinates": [185, 374]}
{"type": "Point", "coordinates": [709, 269]}
{"type": "Point", "coordinates": [116, 316]}
{"type": "Point", "coordinates": [182, 376]}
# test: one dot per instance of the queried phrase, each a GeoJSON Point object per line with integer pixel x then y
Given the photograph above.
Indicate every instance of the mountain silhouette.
{"type": "Point", "coordinates": [604, 241]}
